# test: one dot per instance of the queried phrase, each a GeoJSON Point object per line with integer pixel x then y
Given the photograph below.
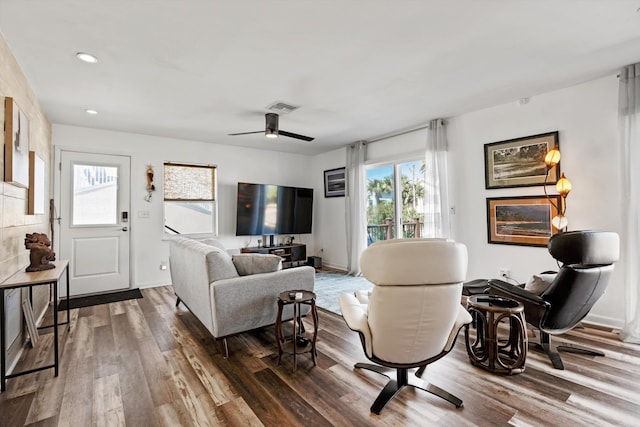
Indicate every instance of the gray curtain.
{"type": "Point", "coordinates": [629, 138]}
{"type": "Point", "coordinates": [436, 200]}
{"type": "Point", "coordinates": [356, 209]}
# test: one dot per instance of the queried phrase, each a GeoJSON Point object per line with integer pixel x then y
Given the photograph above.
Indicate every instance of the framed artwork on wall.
{"type": "Point", "coordinates": [16, 144]}
{"type": "Point", "coordinates": [522, 220]}
{"type": "Point", "coordinates": [520, 162]}
{"type": "Point", "coordinates": [35, 205]}
{"type": "Point", "coordinates": [334, 182]}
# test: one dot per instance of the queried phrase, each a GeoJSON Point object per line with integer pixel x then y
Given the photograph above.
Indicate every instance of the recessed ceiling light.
{"type": "Point", "coordinates": [86, 57]}
{"type": "Point", "coordinates": [92, 112]}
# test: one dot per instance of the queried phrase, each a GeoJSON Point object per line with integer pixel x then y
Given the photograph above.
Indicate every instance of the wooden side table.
{"type": "Point", "coordinates": [22, 280]}
{"type": "Point", "coordinates": [487, 350]}
{"type": "Point", "coordinates": [300, 341]}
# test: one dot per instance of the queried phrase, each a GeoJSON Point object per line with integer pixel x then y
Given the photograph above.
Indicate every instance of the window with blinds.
{"type": "Point", "coordinates": [190, 199]}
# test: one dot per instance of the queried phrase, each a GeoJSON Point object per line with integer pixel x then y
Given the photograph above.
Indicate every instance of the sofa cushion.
{"type": "Point", "coordinates": [220, 265]}
{"type": "Point", "coordinates": [539, 283]}
{"type": "Point", "coordinates": [213, 242]}
{"type": "Point", "coordinates": [247, 264]}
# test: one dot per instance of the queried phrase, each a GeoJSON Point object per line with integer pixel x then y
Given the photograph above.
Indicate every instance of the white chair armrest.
{"type": "Point", "coordinates": [363, 296]}
{"type": "Point", "coordinates": [463, 318]}
{"type": "Point", "coordinates": [355, 315]}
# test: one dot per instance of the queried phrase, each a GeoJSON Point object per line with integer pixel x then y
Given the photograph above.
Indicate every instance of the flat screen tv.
{"type": "Point", "coordinates": [265, 209]}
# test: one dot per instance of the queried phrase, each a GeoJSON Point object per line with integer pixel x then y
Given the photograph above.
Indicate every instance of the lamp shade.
{"type": "Point", "coordinates": [552, 157]}
{"type": "Point", "coordinates": [563, 186]}
{"type": "Point", "coordinates": [560, 222]}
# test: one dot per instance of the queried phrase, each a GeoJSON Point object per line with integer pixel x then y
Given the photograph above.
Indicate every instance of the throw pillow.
{"type": "Point", "coordinates": [220, 265]}
{"type": "Point", "coordinates": [539, 283]}
{"type": "Point", "coordinates": [247, 264]}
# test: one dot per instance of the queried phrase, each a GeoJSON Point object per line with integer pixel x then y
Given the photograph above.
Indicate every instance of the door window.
{"type": "Point", "coordinates": [95, 195]}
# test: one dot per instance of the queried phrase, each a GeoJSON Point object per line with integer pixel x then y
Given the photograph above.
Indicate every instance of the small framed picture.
{"type": "Point", "coordinates": [521, 220]}
{"type": "Point", "coordinates": [334, 182]}
{"type": "Point", "coordinates": [520, 162]}
{"type": "Point", "coordinates": [16, 144]}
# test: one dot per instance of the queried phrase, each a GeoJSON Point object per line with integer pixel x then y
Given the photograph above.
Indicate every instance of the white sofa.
{"type": "Point", "coordinates": [206, 280]}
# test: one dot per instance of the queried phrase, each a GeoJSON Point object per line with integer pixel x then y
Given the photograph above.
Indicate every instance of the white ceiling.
{"type": "Point", "coordinates": [358, 70]}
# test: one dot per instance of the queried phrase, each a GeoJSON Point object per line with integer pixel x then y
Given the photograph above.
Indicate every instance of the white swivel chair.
{"type": "Point", "coordinates": [413, 314]}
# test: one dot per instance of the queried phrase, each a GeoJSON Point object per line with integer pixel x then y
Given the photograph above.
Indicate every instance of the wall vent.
{"type": "Point", "coordinates": [282, 107]}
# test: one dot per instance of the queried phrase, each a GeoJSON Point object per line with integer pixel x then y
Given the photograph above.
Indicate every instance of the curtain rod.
{"type": "Point", "coordinates": [404, 132]}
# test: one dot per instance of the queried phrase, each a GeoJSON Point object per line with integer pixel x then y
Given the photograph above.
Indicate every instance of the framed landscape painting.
{"type": "Point", "coordinates": [520, 162]}
{"type": "Point", "coordinates": [521, 220]}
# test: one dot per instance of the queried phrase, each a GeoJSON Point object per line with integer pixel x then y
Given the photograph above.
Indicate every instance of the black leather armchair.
{"type": "Point", "coordinates": [587, 259]}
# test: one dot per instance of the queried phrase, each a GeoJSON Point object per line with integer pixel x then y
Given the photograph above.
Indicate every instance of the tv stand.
{"type": "Point", "coordinates": [293, 255]}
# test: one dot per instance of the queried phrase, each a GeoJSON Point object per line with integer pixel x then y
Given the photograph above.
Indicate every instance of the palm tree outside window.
{"type": "Point", "coordinates": [395, 194]}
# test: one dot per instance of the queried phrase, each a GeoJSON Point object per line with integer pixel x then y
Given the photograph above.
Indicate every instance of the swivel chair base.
{"type": "Point", "coordinates": [394, 386]}
{"type": "Point", "coordinates": [553, 350]}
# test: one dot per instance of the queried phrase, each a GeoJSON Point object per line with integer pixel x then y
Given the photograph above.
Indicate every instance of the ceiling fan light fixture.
{"type": "Point", "coordinates": [271, 125]}
{"type": "Point", "coordinates": [270, 133]}
{"type": "Point", "coordinates": [87, 57]}
{"type": "Point", "coordinates": [272, 130]}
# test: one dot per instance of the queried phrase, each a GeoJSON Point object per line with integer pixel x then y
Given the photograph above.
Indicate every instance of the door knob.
{"type": "Point", "coordinates": [125, 229]}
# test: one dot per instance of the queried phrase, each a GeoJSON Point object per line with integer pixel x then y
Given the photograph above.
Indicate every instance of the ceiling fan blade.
{"type": "Point", "coordinates": [245, 133]}
{"type": "Point", "coordinates": [295, 135]}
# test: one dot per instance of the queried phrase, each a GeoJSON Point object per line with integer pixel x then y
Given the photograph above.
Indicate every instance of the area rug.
{"type": "Point", "coordinates": [330, 284]}
{"type": "Point", "coordinates": [90, 300]}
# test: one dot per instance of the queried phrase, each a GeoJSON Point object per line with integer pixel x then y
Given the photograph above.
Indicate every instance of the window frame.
{"type": "Point", "coordinates": [396, 165]}
{"type": "Point", "coordinates": [213, 200]}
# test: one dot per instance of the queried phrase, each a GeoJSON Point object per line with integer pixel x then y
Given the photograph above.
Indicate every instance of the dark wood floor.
{"type": "Point", "coordinates": [144, 362]}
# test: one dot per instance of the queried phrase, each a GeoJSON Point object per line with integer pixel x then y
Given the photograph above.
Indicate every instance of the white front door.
{"type": "Point", "coordinates": [94, 221]}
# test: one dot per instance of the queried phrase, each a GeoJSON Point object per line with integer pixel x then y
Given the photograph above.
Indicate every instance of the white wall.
{"type": "Point", "coordinates": [234, 164]}
{"type": "Point", "coordinates": [14, 220]}
{"type": "Point", "coordinates": [329, 216]}
{"type": "Point", "coordinates": [586, 117]}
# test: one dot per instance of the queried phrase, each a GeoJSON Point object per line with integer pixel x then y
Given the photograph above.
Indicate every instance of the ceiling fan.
{"type": "Point", "coordinates": [271, 129]}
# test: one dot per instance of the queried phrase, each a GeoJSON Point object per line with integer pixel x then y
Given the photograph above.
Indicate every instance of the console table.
{"type": "Point", "coordinates": [23, 279]}
{"type": "Point", "coordinates": [293, 255]}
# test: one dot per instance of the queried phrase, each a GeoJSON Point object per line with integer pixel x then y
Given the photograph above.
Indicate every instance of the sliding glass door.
{"type": "Point", "coordinates": [395, 196]}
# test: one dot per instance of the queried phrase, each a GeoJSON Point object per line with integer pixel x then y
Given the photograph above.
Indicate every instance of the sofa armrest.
{"type": "Point", "coordinates": [243, 303]}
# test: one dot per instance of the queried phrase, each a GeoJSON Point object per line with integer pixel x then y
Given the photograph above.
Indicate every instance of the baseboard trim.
{"type": "Point", "coordinates": [606, 321]}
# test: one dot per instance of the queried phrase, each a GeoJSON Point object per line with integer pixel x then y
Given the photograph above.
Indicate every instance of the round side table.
{"type": "Point", "coordinates": [493, 348]}
{"type": "Point", "coordinates": [300, 341]}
